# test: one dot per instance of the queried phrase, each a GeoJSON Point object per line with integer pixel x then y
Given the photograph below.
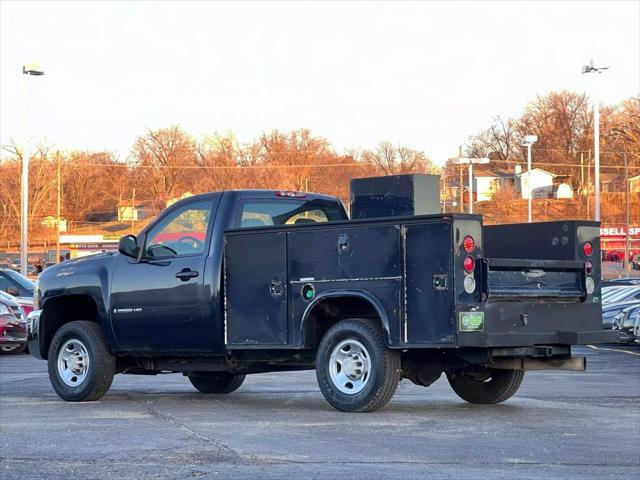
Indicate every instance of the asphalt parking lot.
{"type": "Point", "coordinates": [560, 425]}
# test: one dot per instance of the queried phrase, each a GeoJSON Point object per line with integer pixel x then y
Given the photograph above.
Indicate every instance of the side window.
{"type": "Point", "coordinates": [261, 213]}
{"type": "Point", "coordinates": [4, 283]}
{"type": "Point", "coordinates": [181, 233]}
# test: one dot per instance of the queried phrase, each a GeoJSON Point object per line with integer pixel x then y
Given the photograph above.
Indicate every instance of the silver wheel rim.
{"type": "Point", "coordinates": [73, 362]}
{"type": "Point", "coordinates": [350, 366]}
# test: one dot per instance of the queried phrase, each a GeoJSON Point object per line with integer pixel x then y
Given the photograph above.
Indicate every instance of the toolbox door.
{"type": "Point", "coordinates": [429, 284]}
{"type": "Point", "coordinates": [256, 285]}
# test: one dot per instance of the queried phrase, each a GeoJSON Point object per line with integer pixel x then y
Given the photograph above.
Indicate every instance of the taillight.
{"type": "Point", "coordinates": [468, 264]}
{"type": "Point", "coordinates": [587, 248]}
{"type": "Point", "coordinates": [588, 267]}
{"type": "Point", "coordinates": [468, 244]}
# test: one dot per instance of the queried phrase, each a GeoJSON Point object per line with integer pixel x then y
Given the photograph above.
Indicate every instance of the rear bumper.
{"type": "Point", "coordinates": [33, 334]}
{"type": "Point", "coordinates": [479, 339]}
{"type": "Point", "coordinates": [13, 340]}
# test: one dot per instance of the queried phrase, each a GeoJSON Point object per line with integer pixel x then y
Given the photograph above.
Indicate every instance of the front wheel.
{"type": "Point", "coordinates": [356, 372]}
{"type": "Point", "coordinates": [486, 386]}
{"type": "Point", "coordinates": [81, 367]}
{"type": "Point", "coordinates": [217, 383]}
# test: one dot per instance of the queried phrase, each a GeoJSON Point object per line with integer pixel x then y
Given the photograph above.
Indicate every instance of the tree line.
{"type": "Point", "coordinates": [564, 124]}
{"type": "Point", "coordinates": [167, 163]}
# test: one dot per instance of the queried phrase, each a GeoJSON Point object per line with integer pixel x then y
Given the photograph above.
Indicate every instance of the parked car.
{"type": "Point", "coordinates": [621, 294]}
{"type": "Point", "coordinates": [628, 322]}
{"type": "Point", "coordinates": [13, 325]}
{"type": "Point", "coordinates": [613, 255]}
{"type": "Point", "coordinates": [16, 284]}
{"type": "Point", "coordinates": [621, 281]}
{"type": "Point", "coordinates": [609, 312]}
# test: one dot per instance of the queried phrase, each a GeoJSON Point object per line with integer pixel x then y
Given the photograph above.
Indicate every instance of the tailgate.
{"type": "Point", "coordinates": [514, 279]}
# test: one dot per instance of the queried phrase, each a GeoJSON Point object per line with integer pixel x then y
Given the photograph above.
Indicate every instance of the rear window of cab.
{"type": "Point", "coordinates": [257, 212]}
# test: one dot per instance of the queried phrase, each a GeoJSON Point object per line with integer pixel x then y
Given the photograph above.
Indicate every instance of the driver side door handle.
{"type": "Point", "coordinates": [186, 274]}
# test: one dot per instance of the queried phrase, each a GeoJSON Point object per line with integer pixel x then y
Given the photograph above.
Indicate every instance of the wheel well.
{"type": "Point", "coordinates": [62, 310]}
{"type": "Point", "coordinates": [330, 311]}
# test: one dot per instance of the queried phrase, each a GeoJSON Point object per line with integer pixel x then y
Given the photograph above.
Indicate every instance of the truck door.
{"type": "Point", "coordinates": [158, 304]}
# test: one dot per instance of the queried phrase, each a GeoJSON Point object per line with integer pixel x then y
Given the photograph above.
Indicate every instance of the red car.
{"type": "Point", "coordinates": [616, 255]}
{"type": "Point", "coordinates": [13, 325]}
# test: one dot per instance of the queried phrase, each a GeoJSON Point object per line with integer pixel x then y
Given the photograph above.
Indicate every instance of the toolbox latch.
{"type": "Point", "coordinates": [441, 281]}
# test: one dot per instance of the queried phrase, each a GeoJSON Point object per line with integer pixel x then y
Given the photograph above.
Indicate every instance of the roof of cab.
{"type": "Point", "coordinates": [256, 194]}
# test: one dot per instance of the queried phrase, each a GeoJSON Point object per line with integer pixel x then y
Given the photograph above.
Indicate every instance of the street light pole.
{"type": "Point", "coordinates": [33, 70]}
{"type": "Point", "coordinates": [596, 136]}
{"type": "Point", "coordinates": [626, 191]}
{"type": "Point", "coordinates": [470, 162]}
{"type": "Point", "coordinates": [528, 141]}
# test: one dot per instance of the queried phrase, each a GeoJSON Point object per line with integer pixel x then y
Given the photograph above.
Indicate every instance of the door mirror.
{"type": "Point", "coordinates": [128, 246]}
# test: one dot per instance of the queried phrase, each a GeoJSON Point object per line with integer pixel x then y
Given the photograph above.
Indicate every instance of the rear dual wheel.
{"type": "Point", "coordinates": [356, 372]}
{"type": "Point", "coordinates": [216, 383]}
{"type": "Point", "coordinates": [486, 386]}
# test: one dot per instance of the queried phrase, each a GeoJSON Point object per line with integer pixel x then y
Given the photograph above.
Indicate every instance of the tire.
{"type": "Point", "coordinates": [489, 386]}
{"type": "Point", "coordinates": [217, 383]}
{"type": "Point", "coordinates": [83, 343]}
{"type": "Point", "coordinates": [13, 350]}
{"type": "Point", "coordinates": [356, 372]}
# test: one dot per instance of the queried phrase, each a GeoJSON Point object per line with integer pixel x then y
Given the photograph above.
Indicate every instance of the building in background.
{"type": "Point", "coordinates": [488, 181]}
{"type": "Point", "coordinates": [538, 181]}
{"type": "Point", "coordinates": [128, 212]}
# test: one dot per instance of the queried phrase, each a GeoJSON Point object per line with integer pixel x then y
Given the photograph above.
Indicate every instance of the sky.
{"type": "Point", "coordinates": [423, 74]}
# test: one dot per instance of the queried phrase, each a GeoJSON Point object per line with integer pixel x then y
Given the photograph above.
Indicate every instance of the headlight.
{"type": "Point", "coordinates": [36, 294]}
{"type": "Point", "coordinates": [617, 320]}
{"type": "Point", "coordinates": [630, 321]}
{"type": "Point", "coordinates": [4, 310]}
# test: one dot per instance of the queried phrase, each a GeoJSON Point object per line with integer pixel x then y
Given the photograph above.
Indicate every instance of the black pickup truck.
{"type": "Point", "coordinates": [231, 283]}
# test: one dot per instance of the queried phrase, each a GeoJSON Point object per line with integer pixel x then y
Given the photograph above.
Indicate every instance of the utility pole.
{"type": "Point", "coordinates": [582, 171]}
{"type": "Point", "coordinates": [133, 208]}
{"type": "Point", "coordinates": [470, 162]}
{"type": "Point", "coordinates": [588, 184]}
{"type": "Point", "coordinates": [59, 189]}
{"type": "Point", "coordinates": [596, 135]}
{"type": "Point", "coordinates": [31, 69]}
{"type": "Point", "coordinates": [626, 191]}
{"type": "Point", "coordinates": [460, 184]}
{"type": "Point", "coordinates": [528, 142]}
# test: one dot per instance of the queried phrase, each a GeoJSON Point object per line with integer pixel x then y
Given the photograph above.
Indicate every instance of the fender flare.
{"type": "Point", "coordinates": [361, 294]}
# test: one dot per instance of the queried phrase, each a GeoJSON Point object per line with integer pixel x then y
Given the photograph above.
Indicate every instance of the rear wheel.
{"type": "Point", "coordinates": [81, 367]}
{"type": "Point", "coordinates": [487, 386]}
{"type": "Point", "coordinates": [356, 372]}
{"type": "Point", "coordinates": [218, 383]}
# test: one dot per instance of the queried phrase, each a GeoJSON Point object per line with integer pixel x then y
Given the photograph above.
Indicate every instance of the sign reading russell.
{"type": "Point", "coordinates": [619, 231]}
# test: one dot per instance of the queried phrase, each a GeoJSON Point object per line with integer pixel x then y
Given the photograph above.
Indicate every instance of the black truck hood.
{"type": "Point", "coordinates": [69, 266]}
{"type": "Point", "coordinates": [77, 275]}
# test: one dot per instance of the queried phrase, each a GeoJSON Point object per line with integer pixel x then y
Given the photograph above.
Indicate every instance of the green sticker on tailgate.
{"type": "Point", "coordinates": [471, 321]}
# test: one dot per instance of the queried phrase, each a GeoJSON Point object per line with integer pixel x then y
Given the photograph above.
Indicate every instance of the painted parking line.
{"type": "Point", "coordinates": [613, 350]}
